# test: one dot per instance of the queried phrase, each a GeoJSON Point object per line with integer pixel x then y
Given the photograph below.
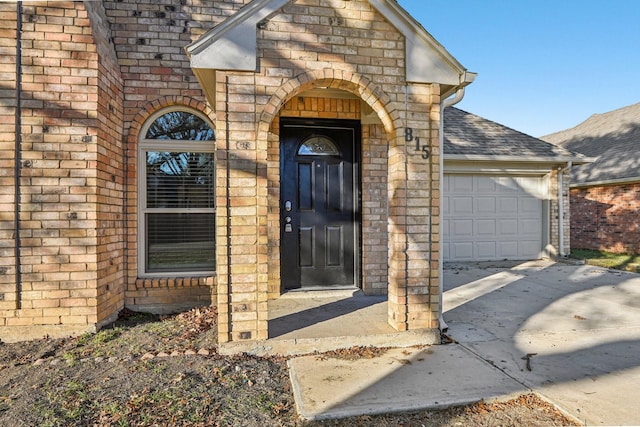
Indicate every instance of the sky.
{"type": "Point", "coordinates": [545, 65]}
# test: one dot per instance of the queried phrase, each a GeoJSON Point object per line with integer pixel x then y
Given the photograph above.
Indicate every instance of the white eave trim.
{"type": "Point", "coordinates": [618, 181]}
{"type": "Point", "coordinates": [232, 44]}
{"type": "Point", "coordinates": [498, 168]}
{"type": "Point", "coordinates": [529, 159]}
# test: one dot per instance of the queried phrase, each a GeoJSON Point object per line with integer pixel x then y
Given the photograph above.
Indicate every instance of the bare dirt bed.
{"type": "Point", "coordinates": [148, 370]}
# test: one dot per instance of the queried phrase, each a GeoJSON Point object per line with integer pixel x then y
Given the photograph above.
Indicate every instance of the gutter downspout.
{"type": "Point", "coordinates": [561, 172]}
{"type": "Point", "coordinates": [449, 102]}
{"type": "Point", "coordinates": [18, 157]}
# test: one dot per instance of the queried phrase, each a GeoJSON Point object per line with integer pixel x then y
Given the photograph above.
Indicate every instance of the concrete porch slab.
{"type": "Point", "coordinates": [304, 322]}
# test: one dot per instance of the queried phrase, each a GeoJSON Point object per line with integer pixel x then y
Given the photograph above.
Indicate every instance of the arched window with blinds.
{"type": "Point", "coordinates": [176, 194]}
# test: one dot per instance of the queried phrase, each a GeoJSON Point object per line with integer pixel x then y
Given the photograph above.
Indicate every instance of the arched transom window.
{"type": "Point", "coordinates": [318, 146]}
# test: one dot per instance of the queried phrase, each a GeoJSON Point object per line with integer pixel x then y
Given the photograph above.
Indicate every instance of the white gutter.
{"type": "Point", "coordinates": [528, 159]}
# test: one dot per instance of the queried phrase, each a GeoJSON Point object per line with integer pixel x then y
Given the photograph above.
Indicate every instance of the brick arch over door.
{"type": "Point", "coordinates": [354, 83]}
{"type": "Point", "coordinates": [375, 138]}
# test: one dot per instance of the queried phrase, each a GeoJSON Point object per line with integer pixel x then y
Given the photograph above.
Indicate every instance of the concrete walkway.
{"type": "Point", "coordinates": [571, 333]}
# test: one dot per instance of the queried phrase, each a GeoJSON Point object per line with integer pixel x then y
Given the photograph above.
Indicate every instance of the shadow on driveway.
{"type": "Point", "coordinates": [578, 327]}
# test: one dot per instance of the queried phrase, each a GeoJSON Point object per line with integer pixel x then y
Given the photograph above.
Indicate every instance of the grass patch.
{"type": "Point", "coordinates": [626, 262]}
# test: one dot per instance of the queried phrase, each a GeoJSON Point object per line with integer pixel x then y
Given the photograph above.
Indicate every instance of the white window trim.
{"type": "Point", "coordinates": [145, 145]}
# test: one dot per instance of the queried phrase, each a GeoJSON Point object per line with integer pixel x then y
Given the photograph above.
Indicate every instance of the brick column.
{"type": "Point", "coordinates": [414, 185]}
{"type": "Point", "coordinates": [398, 238]}
{"type": "Point", "coordinates": [241, 213]}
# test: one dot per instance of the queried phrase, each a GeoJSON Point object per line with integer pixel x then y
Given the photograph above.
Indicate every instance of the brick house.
{"type": "Point", "coordinates": [163, 155]}
{"type": "Point", "coordinates": [605, 194]}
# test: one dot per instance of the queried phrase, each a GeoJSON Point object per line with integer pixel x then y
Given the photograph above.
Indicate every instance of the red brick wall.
{"type": "Point", "coordinates": [606, 218]}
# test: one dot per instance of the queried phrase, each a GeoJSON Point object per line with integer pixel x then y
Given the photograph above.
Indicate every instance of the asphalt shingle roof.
{"type": "Point", "coordinates": [612, 137]}
{"type": "Point", "coordinates": [466, 134]}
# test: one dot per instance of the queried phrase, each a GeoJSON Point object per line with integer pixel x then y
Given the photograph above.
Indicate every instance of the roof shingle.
{"type": "Point", "coordinates": [612, 137]}
{"type": "Point", "coordinates": [468, 135]}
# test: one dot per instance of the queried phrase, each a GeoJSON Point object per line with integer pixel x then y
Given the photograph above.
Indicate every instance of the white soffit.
{"type": "Point", "coordinates": [232, 44]}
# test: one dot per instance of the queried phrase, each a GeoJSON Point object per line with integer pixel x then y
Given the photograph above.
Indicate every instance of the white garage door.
{"type": "Point", "coordinates": [492, 217]}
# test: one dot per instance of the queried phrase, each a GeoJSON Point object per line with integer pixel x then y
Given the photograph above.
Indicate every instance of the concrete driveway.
{"type": "Point", "coordinates": [570, 332]}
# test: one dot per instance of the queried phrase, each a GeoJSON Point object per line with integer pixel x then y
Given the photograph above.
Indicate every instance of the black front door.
{"type": "Point", "coordinates": [318, 203]}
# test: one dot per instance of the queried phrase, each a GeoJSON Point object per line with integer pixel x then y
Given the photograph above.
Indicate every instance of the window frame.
{"type": "Point", "coordinates": [169, 145]}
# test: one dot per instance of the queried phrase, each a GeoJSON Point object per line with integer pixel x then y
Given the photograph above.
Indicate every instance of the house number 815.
{"type": "Point", "coordinates": [423, 150]}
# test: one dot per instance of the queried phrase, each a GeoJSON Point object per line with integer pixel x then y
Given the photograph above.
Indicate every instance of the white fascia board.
{"type": "Point", "coordinates": [232, 44]}
{"type": "Point", "coordinates": [530, 159]}
{"type": "Point", "coordinates": [427, 61]}
{"type": "Point", "coordinates": [619, 181]}
{"type": "Point", "coordinates": [497, 168]}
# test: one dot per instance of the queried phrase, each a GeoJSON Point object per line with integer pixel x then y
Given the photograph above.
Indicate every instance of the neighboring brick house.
{"type": "Point", "coordinates": [162, 155]}
{"type": "Point", "coordinates": [605, 194]}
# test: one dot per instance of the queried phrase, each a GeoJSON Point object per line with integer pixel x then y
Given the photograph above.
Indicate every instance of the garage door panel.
{"type": "Point", "coordinates": [529, 205]}
{"type": "Point", "coordinates": [485, 227]}
{"type": "Point", "coordinates": [508, 205]}
{"type": "Point", "coordinates": [508, 227]}
{"type": "Point", "coordinates": [445, 205]}
{"type": "Point", "coordinates": [508, 249]}
{"type": "Point", "coordinates": [486, 250]}
{"type": "Point", "coordinates": [462, 205]}
{"type": "Point", "coordinates": [460, 183]}
{"type": "Point", "coordinates": [485, 184]}
{"type": "Point", "coordinates": [446, 250]}
{"type": "Point", "coordinates": [492, 218]}
{"type": "Point", "coordinates": [530, 227]}
{"type": "Point", "coordinates": [529, 248]}
{"type": "Point", "coordinates": [485, 205]}
{"type": "Point", "coordinates": [462, 251]}
{"type": "Point", "coordinates": [446, 226]}
{"type": "Point", "coordinates": [462, 227]}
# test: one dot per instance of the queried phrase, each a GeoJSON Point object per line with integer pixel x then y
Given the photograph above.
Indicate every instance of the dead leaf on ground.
{"type": "Point", "coordinates": [354, 353]}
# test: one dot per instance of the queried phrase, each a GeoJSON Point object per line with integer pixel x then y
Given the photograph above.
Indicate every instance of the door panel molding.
{"type": "Point", "coordinates": [320, 234]}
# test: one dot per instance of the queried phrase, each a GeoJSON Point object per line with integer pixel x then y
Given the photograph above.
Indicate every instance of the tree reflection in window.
{"type": "Point", "coordinates": [180, 180]}
{"type": "Point", "coordinates": [180, 125]}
